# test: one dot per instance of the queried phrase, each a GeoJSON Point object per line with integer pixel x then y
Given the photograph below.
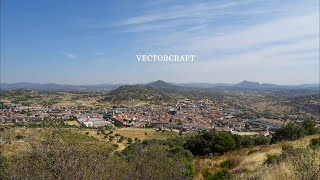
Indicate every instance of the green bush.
{"type": "Point", "coordinates": [210, 142]}
{"type": "Point", "coordinates": [222, 142]}
{"type": "Point", "coordinates": [261, 140]}
{"type": "Point", "coordinates": [206, 174]}
{"type": "Point", "coordinates": [121, 139]}
{"type": "Point", "coordinates": [247, 141]}
{"type": "Point", "coordinates": [290, 131]}
{"type": "Point", "coordinates": [310, 127]}
{"type": "Point", "coordinates": [221, 174]}
{"type": "Point", "coordinates": [229, 163]}
{"type": "Point", "coordinates": [315, 143]}
{"type": "Point", "coordinates": [271, 159]}
{"type": "Point", "coordinates": [115, 145]}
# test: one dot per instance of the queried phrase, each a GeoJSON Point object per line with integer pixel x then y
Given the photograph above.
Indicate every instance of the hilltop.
{"type": "Point", "coordinates": [135, 94]}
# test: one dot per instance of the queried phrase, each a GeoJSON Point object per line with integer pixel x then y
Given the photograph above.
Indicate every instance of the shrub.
{"type": "Point", "coordinates": [121, 139]}
{"type": "Point", "coordinates": [115, 145]}
{"type": "Point", "coordinates": [247, 141]}
{"type": "Point", "coordinates": [210, 141]}
{"type": "Point", "coordinates": [261, 140]}
{"type": "Point", "coordinates": [129, 140]}
{"type": "Point", "coordinates": [229, 163]}
{"type": "Point", "coordinates": [315, 143]}
{"type": "Point", "coordinates": [206, 174]}
{"type": "Point", "coordinates": [117, 134]}
{"type": "Point", "coordinates": [221, 174]}
{"type": "Point", "coordinates": [289, 131]}
{"type": "Point", "coordinates": [181, 152]}
{"type": "Point", "coordinates": [222, 142]}
{"type": "Point", "coordinates": [253, 151]}
{"type": "Point", "coordinates": [309, 127]}
{"type": "Point", "coordinates": [306, 163]}
{"type": "Point", "coordinates": [19, 136]}
{"type": "Point", "coordinates": [197, 145]}
{"type": "Point", "coordinates": [271, 159]}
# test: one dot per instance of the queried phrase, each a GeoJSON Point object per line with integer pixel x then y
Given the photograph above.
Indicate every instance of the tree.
{"type": "Point", "coordinates": [129, 140]}
{"type": "Point", "coordinates": [309, 127]}
{"type": "Point", "coordinates": [289, 131]}
{"type": "Point", "coordinates": [197, 145]}
{"type": "Point", "coordinates": [222, 142]}
{"type": "Point", "coordinates": [261, 140]}
{"type": "Point", "coordinates": [247, 141]}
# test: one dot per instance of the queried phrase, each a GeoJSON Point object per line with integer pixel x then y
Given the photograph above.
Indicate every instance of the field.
{"type": "Point", "coordinates": [33, 135]}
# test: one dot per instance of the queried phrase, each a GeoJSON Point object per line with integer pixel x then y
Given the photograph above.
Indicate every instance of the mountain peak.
{"type": "Point", "coordinates": [248, 84]}
{"type": "Point", "coordinates": [161, 85]}
{"type": "Point", "coordinates": [159, 81]}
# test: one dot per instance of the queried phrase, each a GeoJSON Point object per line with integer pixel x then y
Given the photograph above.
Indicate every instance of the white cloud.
{"type": "Point", "coordinates": [99, 53]}
{"type": "Point", "coordinates": [193, 10]}
{"type": "Point", "coordinates": [70, 55]}
{"type": "Point", "coordinates": [286, 29]}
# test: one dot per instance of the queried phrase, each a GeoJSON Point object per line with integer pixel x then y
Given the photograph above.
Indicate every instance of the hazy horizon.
{"type": "Point", "coordinates": [161, 80]}
{"type": "Point", "coordinates": [96, 42]}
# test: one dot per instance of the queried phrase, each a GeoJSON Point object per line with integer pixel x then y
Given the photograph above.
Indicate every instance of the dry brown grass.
{"type": "Point", "coordinates": [76, 123]}
{"type": "Point", "coordinates": [245, 133]}
{"type": "Point", "coordinates": [249, 162]}
{"type": "Point", "coordinates": [283, 171]}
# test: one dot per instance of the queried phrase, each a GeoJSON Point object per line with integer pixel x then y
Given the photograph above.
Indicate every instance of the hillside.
{"type": "Point", "coordinates": [76, 153]}
{"type": "Point", "coordinates": [250, 162]}
{"type": "Point", "coordinates": [135, 94]}
{"type": "Point", "coordinates": [295, 104]}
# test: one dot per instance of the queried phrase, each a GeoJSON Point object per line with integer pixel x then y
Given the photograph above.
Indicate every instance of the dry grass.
{"type": "Point", "coordinates": [249, 162]}
{"type": "Point", "coordinates": [32, 135]}
{"type": "Point", "coordinates": [245, 133]}
{"type": "Point", "coordinates": [282, 171]}
{"type": "Point", "coordinates": [76, 123]}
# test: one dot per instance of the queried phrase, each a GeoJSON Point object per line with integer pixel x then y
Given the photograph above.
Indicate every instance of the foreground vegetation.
{"type": "Point", "coordinates": [69, 152]}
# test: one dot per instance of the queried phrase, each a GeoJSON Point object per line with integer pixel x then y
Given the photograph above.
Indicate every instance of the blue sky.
{"type": "Point", "coordinates": [95, 42]}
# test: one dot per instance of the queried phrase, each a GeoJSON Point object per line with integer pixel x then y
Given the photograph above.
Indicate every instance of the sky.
{"type": "Point", "coordinates": [96, 42]}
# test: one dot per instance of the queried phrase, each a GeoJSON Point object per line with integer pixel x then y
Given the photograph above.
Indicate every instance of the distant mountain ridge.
{"type": "Point", "coordinates": [58, 87]}
{"type": "Point", "coordinates": [249, 85]}
{"type": "Point", "coordinates": [157, 84]}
